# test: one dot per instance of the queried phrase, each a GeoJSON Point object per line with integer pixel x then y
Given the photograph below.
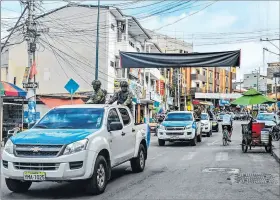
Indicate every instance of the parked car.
{"type": "Point", "coordinates": [206, 125]}
{"type": "Point", "coordinates": [215, 124]}
{"type": "Point", "coordinates": [180, 126]}
{"type": "Point", "coordinates": [269, 119]}
{"type": "Point", "coordinates": [77, 142]}
{"type": "Point", "coordinates": [220, 117]}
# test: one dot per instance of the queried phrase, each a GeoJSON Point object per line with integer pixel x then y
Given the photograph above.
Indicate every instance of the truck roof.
{"type": "Point", "coordinates": [89, 106]}
{"type": "Point", "coordinates": [181, 112]}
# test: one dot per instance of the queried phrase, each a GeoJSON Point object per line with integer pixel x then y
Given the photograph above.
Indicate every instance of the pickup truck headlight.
{"type": "Point", "coordinates": [76, 147]}
{"type": "Point", "coordinates": [9, 147]}
{"type": "Point", "coordinates": [188, 127]}
{"type": "Point", "coordinates": [162, 127]}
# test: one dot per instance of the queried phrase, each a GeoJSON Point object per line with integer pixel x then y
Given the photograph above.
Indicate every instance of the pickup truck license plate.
{"type": "Point", "coordinates": [34, 176]}
{"type": "Point", "coordinates": [174, 137]}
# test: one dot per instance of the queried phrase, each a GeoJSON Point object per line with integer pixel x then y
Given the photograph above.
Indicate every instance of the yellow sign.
{"type": "Point", "coordinates": [26, 75]}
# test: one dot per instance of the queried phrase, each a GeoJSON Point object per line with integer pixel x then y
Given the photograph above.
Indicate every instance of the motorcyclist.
{"type": "Point", "coordinates": [228, 122]}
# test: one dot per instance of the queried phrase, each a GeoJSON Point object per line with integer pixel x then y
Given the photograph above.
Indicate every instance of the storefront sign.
{"type": "Point", "coordinates": [223, 103]}
{"type": "Point", "coordinates": [135, 88]}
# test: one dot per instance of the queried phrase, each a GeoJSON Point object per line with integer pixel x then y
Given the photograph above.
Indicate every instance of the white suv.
{"type": "Point", "coordinates": [206, 125]}
{"type": "Point", "coordinates": [180, 126]}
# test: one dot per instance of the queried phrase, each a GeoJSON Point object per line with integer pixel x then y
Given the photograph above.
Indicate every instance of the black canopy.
{"type": "Point", "coordinates": [168, 60]}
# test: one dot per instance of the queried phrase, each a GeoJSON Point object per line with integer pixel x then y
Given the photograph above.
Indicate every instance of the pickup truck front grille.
{"type": "Point", "coordinates": [36, 166]}
{"type": "Point", "coordinates": [175, 133]}
{"type": "Point", "coordinates": [175, 128]}
{"type": "Point", "coordinates": [38, 150]}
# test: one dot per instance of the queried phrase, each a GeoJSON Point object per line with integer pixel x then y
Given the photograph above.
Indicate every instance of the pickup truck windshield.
{"type": "Point", "coordinates": [266, 117]}
{"type": "Point", "coordinates": [204, 117]}
{"type": "Point", "coordinates": [72, 118]}
{"type": "Point", "coordinates": [179, 117]}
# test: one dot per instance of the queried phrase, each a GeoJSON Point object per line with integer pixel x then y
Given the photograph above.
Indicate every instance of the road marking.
{"type": "Point", "coordinates": [224, 170]}
{"type": "Point", "coordinates": [221, 156]}
{"type": "Point", "coordinates": [213, 143]}
{"type": "Point", "coordinates": [189, 156]}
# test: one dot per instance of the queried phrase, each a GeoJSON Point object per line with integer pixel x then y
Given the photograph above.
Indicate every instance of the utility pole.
{"type": "Point", "coordinates": [97, 42]}
{"type": "Point", "coordinates": [31, 34]}
{"type": "Point", "coordinates": [178, 86]}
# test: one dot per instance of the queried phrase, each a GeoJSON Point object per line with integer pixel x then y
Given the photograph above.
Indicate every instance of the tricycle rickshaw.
{"type": "Point", "coordinates": [254, 134]}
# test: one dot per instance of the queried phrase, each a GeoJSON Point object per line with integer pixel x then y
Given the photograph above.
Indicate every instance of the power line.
{"type": "Point", "coordinates": [186, 16]}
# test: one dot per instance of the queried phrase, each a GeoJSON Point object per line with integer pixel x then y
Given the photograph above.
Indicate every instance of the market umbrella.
{"type": "Point", "coordinates": [11, 90]}
{"type": "Point", "coordinates": [252, 97]}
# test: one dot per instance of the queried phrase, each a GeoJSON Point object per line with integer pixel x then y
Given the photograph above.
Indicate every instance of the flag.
{"type": "Point", "coordinates": [33, 70]}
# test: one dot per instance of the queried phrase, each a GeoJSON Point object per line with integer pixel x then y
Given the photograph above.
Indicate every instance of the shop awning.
{"type": "Point", "coordinates": [54, 102]}
{"type": "Point", "coordinates": [169, 60]}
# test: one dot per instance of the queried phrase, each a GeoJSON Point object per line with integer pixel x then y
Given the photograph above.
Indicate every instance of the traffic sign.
{"type": "Point", "coordinates": [30, 85]}
{"type": "Point", "coordinates": [72, 86]}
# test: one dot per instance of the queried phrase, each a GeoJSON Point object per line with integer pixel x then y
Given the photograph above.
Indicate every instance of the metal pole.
{"type": "Point", "coordinates": [178, 86]}
{"type": "Point", "coordinates": [97, 42]}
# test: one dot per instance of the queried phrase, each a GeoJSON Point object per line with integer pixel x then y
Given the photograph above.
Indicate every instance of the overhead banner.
{"type": "Point", "coordinates": [169, 60]}
{"type": "Point", "coordinates": [217, 95]}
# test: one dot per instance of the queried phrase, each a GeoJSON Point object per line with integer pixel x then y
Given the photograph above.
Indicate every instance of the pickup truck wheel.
{"type": "Point", "coordinates": [161, 142]}
{"type": "Point", "coordinates": [18, 186]}
{"type": "Point", "coordinates": [138, 163]}
{"type": "Point", "coordinates": [98, 182]}
{"type": "Point", "coordinates": [194, 140]}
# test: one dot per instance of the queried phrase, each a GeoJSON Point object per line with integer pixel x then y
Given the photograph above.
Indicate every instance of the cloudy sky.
{"type": "Point", "coordinates": [209, 25]}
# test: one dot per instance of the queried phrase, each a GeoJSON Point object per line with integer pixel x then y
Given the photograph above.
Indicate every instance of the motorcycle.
{"type": "Point", "coordinates": [275, 133]}
{"type": "Point", "coordinates": [226, 134]}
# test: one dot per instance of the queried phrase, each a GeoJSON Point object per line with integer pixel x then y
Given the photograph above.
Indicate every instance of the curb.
{"type": "Point", "coordinates": [275, 155]}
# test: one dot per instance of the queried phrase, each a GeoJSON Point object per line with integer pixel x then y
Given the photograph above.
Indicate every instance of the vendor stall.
{"type": "Point", "coordinates": [11, 110]}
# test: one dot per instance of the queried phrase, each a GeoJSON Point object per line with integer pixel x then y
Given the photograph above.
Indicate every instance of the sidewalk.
{"type": "Point", "coordinates": [276, 150]}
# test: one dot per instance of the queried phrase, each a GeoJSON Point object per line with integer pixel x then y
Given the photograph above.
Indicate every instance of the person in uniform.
{"type": "Point", "coordinates": [99, 95]}
{"type": "Point", "coordinates": [123, 97]}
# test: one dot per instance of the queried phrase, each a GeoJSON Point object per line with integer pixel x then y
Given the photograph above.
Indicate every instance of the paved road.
{"type": "Point", "coordinates": [179, 171]}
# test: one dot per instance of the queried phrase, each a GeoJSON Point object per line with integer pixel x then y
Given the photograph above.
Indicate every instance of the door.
{"type": "Point", "coordinates": [116, 138]}
{"type": "Point", "coordinates": [129, 135]}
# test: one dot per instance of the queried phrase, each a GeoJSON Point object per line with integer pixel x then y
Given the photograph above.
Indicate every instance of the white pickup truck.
{"type": "Point", "coordinates": [78, 142]}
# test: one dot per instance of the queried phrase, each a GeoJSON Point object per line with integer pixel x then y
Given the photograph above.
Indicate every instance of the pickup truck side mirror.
{"type": "Point", "coordinates": [115, 126]}
{"type": "Point", "coordinates": [197, 119]}
{"type": "Point", "coordinates": [31, 125]}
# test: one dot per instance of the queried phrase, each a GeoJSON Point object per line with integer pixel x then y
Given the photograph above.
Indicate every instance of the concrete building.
{"type": "Point", "coordinates": [258, 82]}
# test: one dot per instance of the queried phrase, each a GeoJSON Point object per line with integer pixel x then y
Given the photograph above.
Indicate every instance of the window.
{"type": "Point", "coordinates": [204, 73]}
{"type": "Point", "coordinates": [125, 116]}
{"type": "Point", "coordinates": [15, 80]}
{"type": "Point", "coordinates": [138, 50]}
{"type": "Point", "coordinates": [179, 117]}
{"type": "Point", "coordinates": [197, 85]}
{"type": "Point", "coordinates": [255, 85]}
{"type": "Point", "coordinates": [113, 116]}
{"type": "Point", "coordinates": [72, 118]}
{"type": "Point", "coordinates": [112, 64]}
{"type": "Point", "coordinates": [197, 71]}
{"type": "Point", "coordinates": [113, 27]}
{"type": "Point", "coordinates": [181, 51]}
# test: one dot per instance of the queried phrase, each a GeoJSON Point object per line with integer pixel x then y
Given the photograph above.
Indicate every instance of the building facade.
{"type": "Point", "coordinates": [66, 49]}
